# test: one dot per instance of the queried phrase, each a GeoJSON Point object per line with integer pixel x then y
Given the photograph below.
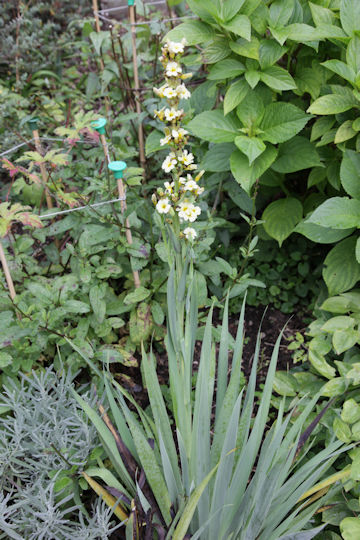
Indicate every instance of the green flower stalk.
{"type": "Point", "coordinates": [178, 198]}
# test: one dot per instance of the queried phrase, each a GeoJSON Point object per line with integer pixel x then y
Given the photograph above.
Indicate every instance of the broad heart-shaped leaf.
{"type": "Point", "coordinates": [235, 94]}
{"type": "Point", "coordinates": [341, 69]}
{"type": "Point", "coordinates": [350, 173]}
{"type": "Point", "coordinates": [350, 528]}
{"type": "Point", "coordinates": [350, 16]}
{"type": "Point", "coordinates": [295, 155]}
{"type": "Point", "coordinates": [281, 217]}
{"type": "Point", "coordinates": [213, 126]}
{"type": "Point", "coordinates": [332, 104]}
{"type": "Point", "coordinates": [321, 235]}
{"type": "Point", "coordinates": [252, 147]}
{"type": "Point", "coordinates": [193, 31]}
{"type": "Point", "coordinates": [153, 142]}
{"type": "Point", "coordinates": [217, 158]}
{"type": "Point", "coordinates": [281, 121]}
{"type": "Point", "coordinates": [247, 175]}
{"type": "Point", "coordinates": [337, 213]}
{"type": "Point", "coordinates": [277, 78]}
{"type": "Point", "coordinates": [341, 270]}
{"type": "Point", "coordinates": [240, 25]}
{"type": "Point", "coordinates": [226, 69]}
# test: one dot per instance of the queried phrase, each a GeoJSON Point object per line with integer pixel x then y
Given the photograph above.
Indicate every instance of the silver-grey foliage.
{"type": "Point", "coordinates": [43, 415]}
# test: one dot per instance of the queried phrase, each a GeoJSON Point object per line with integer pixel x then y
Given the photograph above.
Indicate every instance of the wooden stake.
{"type": "Point", "coordinates": [99, 126]}
{"type": "Point", "coordinates": [8, 277]}
{"type": "Point", "coordinates": [102, 66]}
{"type": "Point", "coordinates": [136, 81]}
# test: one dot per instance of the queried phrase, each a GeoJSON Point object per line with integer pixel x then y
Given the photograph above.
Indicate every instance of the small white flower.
{"type": "Point", "coordinates": [165, 140]}
{"type": "Point", "coordinates": [182, 92]}
{"type": "Point", "coordinates": [169, 93]}
{"type": "Point", "coordinates": [170, 114]}
{"type": "Point", "coordinates": [173, 69]}
{"type": "Point", "coordinates": [188, 211]}
{"type": "Point", "coordinates": [163, 206]}
{"type": "Point", "coordinates": [191, 167]}
{"type": "Point", "coordinates": [169, 162]}
{"type": "Point", "coordinates": [186, 158]}
{"type": "Point", "coordinates": [175, 48]}
{"type": "Point", "coordinates": [169, 187]}
{"type": "Point", "coordinates": [194, 212]}
{"type": "Point", "coordinates": [190, 233]}
{"type": "Point", "coordinates": [191, 185]}
{"type": "Point", "coordinates": [178, 134]}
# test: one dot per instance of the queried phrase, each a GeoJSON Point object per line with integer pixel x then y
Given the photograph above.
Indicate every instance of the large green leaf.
{"type": "Point", "coordinates": [213, 126]}
{"type": "Point", "coordinates": [217, 158]}
{"type": "Point", "coordinates": [332, 104]}
{"type": "Point", "coordinates": [235, 94]}
{"type": "Point", "coordinates": [341, 69]}
{"type": "Point", "coordinates": [337, 213]}
{"type": "Point", "coordinates": [241, 26]}
{"type": "Point", "coordinates": [350, 173]}
{"type": "Point", "coordinates": [322, 235]}
{"type": "Point", "coordinates": [281, 121]}
{"type": "Point", "coordinates": [280, 12]}
{"type": "Point", "coordinates": [193, 31]}
{"type": "Point", "coordinates": [226, 69]}
{"type": "Point", "coordinates": [281, 217]}
{"type": "Point", "coordinates": [353, 53]}
{"type": "Point", "coordinates": [270, 51]}
{"type": "Point", "coordinates": [252, 147]}
{"type": "Point", "coordinates": [277, 78]}
{"type": "Point", "coordinates": [249, 49]}
{"type": "Point", "coordinates": [350, 16]}
{"type": "Point", "coordinates": [247, 175]}
{"type": "Point", "coordinates": [341, 270]}
{"type": "Point", "coordinates": [295, 155]}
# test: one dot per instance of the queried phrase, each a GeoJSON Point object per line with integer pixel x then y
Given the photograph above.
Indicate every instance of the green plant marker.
{"type": "Point", "coordinates": [33, 123]}
{"type": "Point", "coordinates": [99, 125]}
{"type": "Point", "coordinates": [131, 2]}
{"type": "Point", "coordinates": [118, 168]}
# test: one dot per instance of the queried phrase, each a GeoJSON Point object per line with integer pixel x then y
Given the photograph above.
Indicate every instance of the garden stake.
{"type": "Point", "coordinates": [118, 168]}
{"type": "Point", "coordinates": [99, 126]}
{"type": "Point", "coordinates": [34, 129]}
{"type": "Point", "coordinates": [136, 81]}
{"type": "Point", "coordinates": [102, 65]}
{"type": "Point", "coordinates": [8, 277]}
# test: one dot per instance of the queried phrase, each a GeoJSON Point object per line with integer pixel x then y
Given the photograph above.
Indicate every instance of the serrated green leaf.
{"type": "Point", "coordinates": [252, 147]}
{"type": "Point", "coordinates": [350, 412]}
{"type": "Point", "coordinates": [249, 49]}
{"type": "Point", "coordinates": [350, 173]}
{"type": "Point", "coordinates": [246, 175]}
{"type": "Point", "coordinates": [353, 54]}
{"type": "Point", "coordinates": [344, 132]}
{"type": "Point", "coordinates": [193, 31]}
{"type": "Point", "coordinates": [337, 213]}
{"type": "Point", "coordinates": [281, 121]}
{"type": "Point", "coordinates": [341, 269]}
{"type": "Point", "coordinates": [322, 235]}
{"type": "Point", "coordinates": [240, 25]}
{"type": "Point", "coordinates": [217, 158]}
{"type": "Point", "coordinates": [332, 104]}
{"type": "Point", "coordinates": [281, 217]}
{"type": "Point", "coordinates": [295, 155]}
{"type": "Point", "coordinates": [277, 78]}
{"type": "Point", "coordinates": [350, 16]}
{"type": "Point", "coordinates": [270, 52]}
{"type": "Point", "coordinates": [213, 126]}
{"type": "Point", "coordinates": [235, 94]}
{"type": "Point", "coordinates": [341, 69]}
{"type": "Point", "coordinates": [226, 69]}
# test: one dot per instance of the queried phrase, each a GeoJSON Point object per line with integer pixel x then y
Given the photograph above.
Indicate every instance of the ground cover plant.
{"type": "Point", "coordinates": [263, 219]}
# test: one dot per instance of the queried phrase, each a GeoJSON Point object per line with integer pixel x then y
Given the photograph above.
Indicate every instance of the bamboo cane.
{"type": "Point", "coordinates": [102, 65]}
{"type": "Point", "coordinates": [118, 168]}
{"type": "Point", "coordinates": [132, 16]}
{"type": "Point", "coordinates": [8, 277]}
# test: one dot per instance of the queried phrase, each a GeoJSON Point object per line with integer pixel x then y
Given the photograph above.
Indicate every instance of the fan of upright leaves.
{"type": "Point", "coordinates": [195, 476]}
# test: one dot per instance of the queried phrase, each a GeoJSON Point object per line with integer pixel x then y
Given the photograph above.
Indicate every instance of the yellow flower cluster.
{"type": "Point", "coordinates": [179, 196]}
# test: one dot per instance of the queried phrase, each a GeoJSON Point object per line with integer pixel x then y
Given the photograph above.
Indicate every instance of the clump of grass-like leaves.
{"type": "Point", "coordinates": [214, 470]}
